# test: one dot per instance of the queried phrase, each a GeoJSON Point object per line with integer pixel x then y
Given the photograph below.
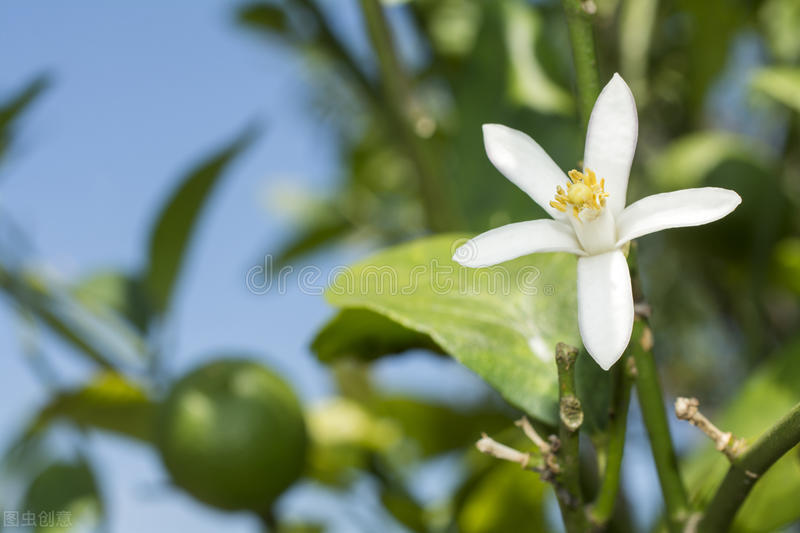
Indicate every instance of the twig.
{"type": "Point", "coordinates": [747, 469]}
{"type": "Point", "coordinates": [687, 409]}
{"type": "Point", "coordinates": [491, 447]}
{"type": "Point", "coordinates": [550, 469]}
{"type": "Point", "coordinates": [570, 500]}
{"type": "Point", "coordinates": [527, 428]}
{"type": "Point", "coordinates": [579, 15]}
{"type": "Point", "coordinates": [397, 91]}
{"type": "Point", "coordinates": [648, 390]}
{"type": "Point", "coordinates": [606, 500]}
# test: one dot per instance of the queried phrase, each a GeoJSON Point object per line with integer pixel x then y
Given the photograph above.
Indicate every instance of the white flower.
{"type": "Point", "coordinates": [589, 215]}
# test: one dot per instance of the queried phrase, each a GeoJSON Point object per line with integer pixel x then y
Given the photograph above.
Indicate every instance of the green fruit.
{"type": "Point", "coordinates": [232, 434]}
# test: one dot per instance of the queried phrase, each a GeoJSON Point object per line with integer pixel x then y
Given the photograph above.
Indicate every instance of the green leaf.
{"type": "Point", "coordinates": [764, 398]}
{"type": "Point", "coordinates": [530, 84]}
{"type": "Point", "coordinates": [109, 402]}
{"type": "Point", "coordinates": [508, 498]}
{"type": "Point", "coordinates": [781, 84]}
{"type": "Point", "coordinates": [365, 335]}
{"type": "Point", "coordinates": [312, 238]}
{"type": "Point", "coordinates": [12, 109]}
{"type": "Point", "coordinates": [63, 497]}
{"type": "Point", "coordinates": [105, 343]}
{"type": "Point", "coordinates": [173, 230]}
{"type": "Point", "coordinates": [105, 292]}
{"type": "Point", "coordinates": [437, 428]}
{"type": "Point", "coordinates": [786, 263]}
{"type": "Point", "coordinates": [300, 527]}
{"type": "Point", "coordinates": [264, 17]}
{"type": "Point", "coordinates": [780, 20]}
{"type": "Point", "coordinates": [707, 47]}
{"type": "Point", "coordinates": [481, 90]}
{"type": "Point", "coordinates": [502, 322]}
{"type": "Point", "coordinates": [453, 26]}
{"type": "Point", "coordinates": [688, 160]}
{"type": "Point", "coordinates": [404, 508]}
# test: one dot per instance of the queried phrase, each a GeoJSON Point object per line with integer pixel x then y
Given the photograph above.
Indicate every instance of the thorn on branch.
{"type": "Point", "coordinates": [688, 409]}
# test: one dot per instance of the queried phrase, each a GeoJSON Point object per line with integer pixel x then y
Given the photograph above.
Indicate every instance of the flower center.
{"type": "Point", "coordinates": [583, 192]}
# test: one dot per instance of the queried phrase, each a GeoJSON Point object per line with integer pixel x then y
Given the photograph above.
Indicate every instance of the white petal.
{"type": "Point", "coordinates": [605, 306]}
{"type": "Point", "coordinates": [611, 140]}
{"type": "Point", "coordinates": [525, 164]}
{"type": "Point", "coordinates": [515, 240]}
{"type": "Point", "coordinates": [689, 207]}
{"type": "Point", "coordinates": [596, 233]}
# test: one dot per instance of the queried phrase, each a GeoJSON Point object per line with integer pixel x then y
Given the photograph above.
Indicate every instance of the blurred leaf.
{"type": "Point", "coordinates": [300, 527]}
{"type": "Point", "coordinates": [502, 322]}
{"type": "Point", "coordinates": [109, 402]}
{"type": "Point", "coordinates": [64, 497]}
{"type": "Point", "coordinates": [339, 420]}
{"type": "Point", "coordinates": [365, 335]}
{"type": "Point", "coordinates": [787, 263]}
{"type": "Point", "coordinates": [109, 291]}
{"type": "Point", "coordinates": [16, 105]}
{"type": "Point", "coordinates": [530, 84]}
{"type": "Point", "coordinates": [346, 434]}
{"type": "Point", "coordinates": [688, 160]}
{"type": "Point", "coordinates": [437, 428]}
{"type": "Point", "coordinates": [105, 343]}
{"type": "Point", "coordinates": [636, 21]}
{"type": "Point", "coordinates": [780, 19]}
{"type": "Point", "coordinates": [780, 83]}
{"type": "Point", "coordinates": [269, 17]}
{"type": "Point", "coordinates": [172, 232]}
{"type": "Point", "coordinates": [763, 399]}
{"type": "Point", "coordinates": [320, 220]}
{"type": "Point", "coordinates": [311, 239]}
{"type": "Point", "coordinates": [343, 435]}
{"type": "Point", "coordinates": [404, 508]}
{"type": "Point", "coordinates": [506, 499]}
{"type": "Point", "coordinates": [711, 26]}
{"type": "Point", "coordinates": [453, 26]}
{"type": "Point", "coordinates": [481, 90]}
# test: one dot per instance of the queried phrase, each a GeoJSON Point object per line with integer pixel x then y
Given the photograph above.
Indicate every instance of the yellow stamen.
{"type": "Point", "coordinates": [583, 191]}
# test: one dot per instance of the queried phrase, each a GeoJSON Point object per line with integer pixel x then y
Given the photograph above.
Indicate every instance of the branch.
{"type": "Point", "coordinates": [339, 52]}
{"type": "Point", "coordinates": [570, 500]}
{"type": "Point", "coordinates": [579, 21]}
{"type": "Point", "coordinates": [687, 409]}
{"type": "Point", "coordinates": [603, 508]}
{"type": "Point", "coordinates": [407, 117]}
{"type": "Point", "coordinates": [747, 468]}
{"type": "Point", "coordinates": [648, 390]}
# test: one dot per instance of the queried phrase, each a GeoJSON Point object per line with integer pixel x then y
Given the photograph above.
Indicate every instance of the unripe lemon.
{"type": "Point", "coordinates": [232, 434]}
